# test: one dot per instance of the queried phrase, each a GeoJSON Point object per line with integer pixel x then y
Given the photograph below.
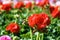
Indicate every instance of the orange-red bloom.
{"type": "Point", "coordinates": [19, 5]}
{"type": "Point", "coordinates": [52, 9]}
{"type": "Point", "coordinates": [42, 3]}
{"type": "Point", "coordinates": [56, 12]}
{"type": "Point", "coordinates": [44, 21]}
{"type": "Point", "coordinates": [0, 3]}
{"type": "Point", "coordinates": [40, 20]}
{"type": "Point", "coordinates": [6, 7]}
{"type": "Point", "coordinates": [13, 27]}
{"type": "Point", "coordinates": [28, 5]}
{"type": "Point", "coordinates": [32, 20]}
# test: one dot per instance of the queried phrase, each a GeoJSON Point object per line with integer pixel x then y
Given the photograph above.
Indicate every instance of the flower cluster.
{"type": "Point", "coordinates": [29, 5]}
{"type": "Point", "coordinates": [40, 20]}
{"type": "Point", "coordinates": [56, 12]}
{"type": "Point", "coordinates": [0, 3]}
{"type": "Point", "coordinates": [13, 27]}
{"type": "Point", "coordinates": [19, 5]}
{"type": "Point", "coordinates": [42, 3]}
{"type": "Point", "coordinates": [6, 7]}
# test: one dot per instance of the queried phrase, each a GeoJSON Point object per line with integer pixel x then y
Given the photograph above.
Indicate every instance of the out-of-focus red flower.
{"type": "Point", "coordinates": [28, 5]}
{"type": "Point", "coordinates": [19, 5]}
{"type": "Point", "coordinates": [52, 5]}
{"type": "Point", "coordinates": [6, 7]}
{"type": "Point", "coordinates": [56, 12]}
{"type": "Point", "coordinates": [52, 9]}
{"type": "Point", "coordinates": [42, 3]}
{"type": "Point", "coordinates": [13, 27]}
{"type": "Point", "coordinates": [54, 1]}
{"type": "Point", "coordinates": [40, 20]}
{"type": "Point", "coordinates": [0, 3]}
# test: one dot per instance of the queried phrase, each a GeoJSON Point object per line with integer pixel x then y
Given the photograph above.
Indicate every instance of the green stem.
{"type": "Point", "coordinates": [15, 20]}
{"type": "Point", "coordinates": [42, 36]}
{"type": "Point", "coordinates": [37, 38]}
{"type": "Point", "coordinates": [31, 33]}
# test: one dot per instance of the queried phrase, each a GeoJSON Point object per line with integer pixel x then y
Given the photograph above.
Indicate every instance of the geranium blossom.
{"type": "Point", "coordinates": [52, 9]}
{"type": "Point", "coordinates": [19, 5]}
{"type": "Point", "coordinates": [0, 3]}
{"type": "Point", "coordinates": [53, 5]}
{"type": "Point", "coordinates": [40, 20]}
{"type": "Point", "coordinates": [6, 7]}
{"type": "Point", "coordinates": [28, 5]}
{"type": "Point", "coordinates": [42, 3]}
{"type": "Point", "coordinates": [44, 21]}
{"type": "Point", "coordinates": [13, 27]}
{"type": "Point", "coordinates": [32, 20]}
{"type": "Point", "coordinates": [56, 12]}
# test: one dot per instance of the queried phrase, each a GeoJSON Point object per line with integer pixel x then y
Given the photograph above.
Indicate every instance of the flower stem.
{"type": "Point", "coordinates": [31, 33]}
{"type": "Point", "coordinates": [38, 37]}
{"type": "Point", "coordinates": [42, 36]}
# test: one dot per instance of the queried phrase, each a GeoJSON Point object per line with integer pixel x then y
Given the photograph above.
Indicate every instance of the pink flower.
{"type": "Point", "coordinates": [54, 2]}
{"type": "Point", "coordinates": [37, 1]}
{"type": "Point", "coordinates": [5, 37]}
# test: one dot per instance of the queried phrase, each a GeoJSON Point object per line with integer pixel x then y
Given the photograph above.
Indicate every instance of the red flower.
{"type": "Point", "coordinates": [40, 20]}
{"type": "Point", "coordinates": [32, 20]}
{"type": "Point", "coordinates": [56, 12]}
{"type": "Point", "coordinates": [42, 3]}
{"type": "Point", "coordinates": [44, 21]}
{"type": "Point", "coordinates": [51, 9]}
{"type": "Point", "coordinates": [28, 5]}
{"type": "Point", "coordinates": [0, 3]}
{"type": "Point", "coordinates": [13, 27]}
{"type": "Point", "coordinates": [6, 7]}
{"type": "Point", "coordinates": [19, 5]}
